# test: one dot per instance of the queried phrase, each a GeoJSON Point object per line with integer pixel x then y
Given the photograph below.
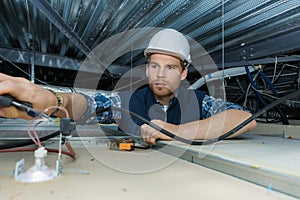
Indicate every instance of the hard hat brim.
{"type": "Point", "coordinates": [150, 51]}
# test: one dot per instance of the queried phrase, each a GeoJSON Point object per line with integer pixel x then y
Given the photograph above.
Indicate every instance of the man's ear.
{"type": "Point", "coordinates": [184, 73]}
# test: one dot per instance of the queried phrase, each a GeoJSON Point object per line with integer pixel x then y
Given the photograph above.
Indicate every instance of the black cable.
{"type": "Point", "coordinates": [261, 99]}
{"type": "Point", "coordinates": [20, 143]}
{"type": "Point", "coordinates": [192, 142]}
{"type": "Point", "coordinates": [222, 137]}
{"type": "Point", "coordinates": [284, 119]}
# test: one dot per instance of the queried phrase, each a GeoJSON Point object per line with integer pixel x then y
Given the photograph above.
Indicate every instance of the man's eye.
{"type": "Point", "coordinates": [153, 66]}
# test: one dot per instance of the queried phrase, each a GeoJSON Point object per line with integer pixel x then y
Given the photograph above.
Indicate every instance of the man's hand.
{"type": "Point", "coordinates": [22, 89]}
{"type": "Point", "coordinates": [209, 128]}
{"type": "Point", "coordinates": [150, 135]}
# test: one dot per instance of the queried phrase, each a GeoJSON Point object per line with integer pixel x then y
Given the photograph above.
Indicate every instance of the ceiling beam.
{"type": "Point", "coordinates": [57, 20]}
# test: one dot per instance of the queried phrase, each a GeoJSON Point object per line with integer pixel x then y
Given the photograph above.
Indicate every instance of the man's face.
{"type": "Point", "coordinates": [165, 74]}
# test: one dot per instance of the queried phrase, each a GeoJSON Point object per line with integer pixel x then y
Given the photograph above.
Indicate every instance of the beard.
{"type": "Point", "coordinates": [161, 92]}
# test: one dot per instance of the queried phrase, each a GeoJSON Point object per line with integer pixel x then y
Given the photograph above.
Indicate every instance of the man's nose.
{"type": "Point", "coordinates": [161, 72]}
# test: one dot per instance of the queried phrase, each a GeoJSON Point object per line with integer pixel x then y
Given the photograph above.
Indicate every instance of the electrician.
{"type": "Point", "coordinates": [191, 114]}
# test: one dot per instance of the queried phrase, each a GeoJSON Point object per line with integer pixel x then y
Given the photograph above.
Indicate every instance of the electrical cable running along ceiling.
{"type": "Point", "coordinates": [50, 39]}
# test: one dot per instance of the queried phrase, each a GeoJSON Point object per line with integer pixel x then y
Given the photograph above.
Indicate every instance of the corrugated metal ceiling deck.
{"type": "Point", "coordinates": [61, 33]}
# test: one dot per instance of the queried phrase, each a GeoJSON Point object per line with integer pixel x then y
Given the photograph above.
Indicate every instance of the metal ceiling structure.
{"type": "Point", "coordinates": [50, 39]}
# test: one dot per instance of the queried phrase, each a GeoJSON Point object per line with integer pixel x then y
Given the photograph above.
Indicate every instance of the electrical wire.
{"type": "Point", "coordinates": [191, 142]}
{"type": "Point", "coordinates": [71, 154]}
{"type": "Point", "coordinates": [13, 64]}
{"type": "Point", "coordinates": [209, 141]}
{"type": "Point", "coordinates": [281, 70]}
{"type": "Point", "coordinates": [26, 142]}
{"type": "Point", "coordinates": [15, 145]}
{"type": "Point", "coordinates": [197, 142]}
{"type": "Point", "coordinates": [34, 139]}
{"type": "Point", "coordinates": [254, 85]}
{"type": "Point", "coordinates": [29, 75]}
{"type": "Point", "coordinates": [260, 98]}
{"type": "Point", "coordinates": [269, 83]}
{"type": "Point", "coordinates": [223, 47]}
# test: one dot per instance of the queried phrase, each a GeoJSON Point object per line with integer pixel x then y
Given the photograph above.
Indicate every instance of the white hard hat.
{"type": "Point", "coordinates": [170, 42]}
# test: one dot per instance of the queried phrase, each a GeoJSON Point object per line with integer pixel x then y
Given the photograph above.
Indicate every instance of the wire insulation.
{"type": "Point", "coordinates": [222, 137]}
{"type": "Point", "coordinates": [192, 142]}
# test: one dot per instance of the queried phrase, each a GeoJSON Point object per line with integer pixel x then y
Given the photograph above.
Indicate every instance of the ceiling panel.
{"type": "Point", "coordinates": [57, 35]}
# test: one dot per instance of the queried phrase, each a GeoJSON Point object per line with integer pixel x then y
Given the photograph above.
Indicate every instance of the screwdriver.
{"type": "Point", "coordinates": [7, 100]}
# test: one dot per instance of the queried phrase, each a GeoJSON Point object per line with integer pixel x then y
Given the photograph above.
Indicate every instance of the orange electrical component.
{"type": "Point", "coordinates": [126, 146]}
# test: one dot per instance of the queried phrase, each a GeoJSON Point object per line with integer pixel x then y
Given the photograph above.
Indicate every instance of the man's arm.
{"type": "Point", "coordinates": [208, 128]}
{"type": "Point", "coordinates": [24, 90]}
{"type": "Point", "coordinates": [75, 103]}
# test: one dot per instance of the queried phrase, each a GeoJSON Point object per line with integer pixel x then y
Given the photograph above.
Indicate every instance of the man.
{"type": "Point", "coordinates": [186, 113]}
